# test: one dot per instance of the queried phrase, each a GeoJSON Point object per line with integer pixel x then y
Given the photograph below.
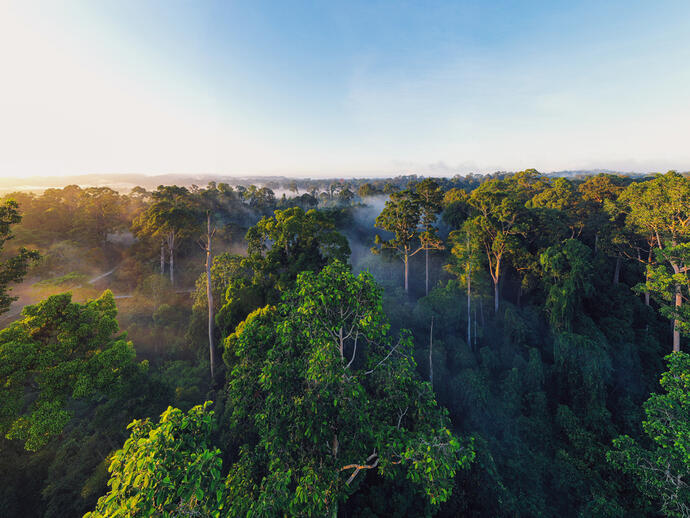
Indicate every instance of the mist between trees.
{"type": "Point", "coordinates": [473, 346]}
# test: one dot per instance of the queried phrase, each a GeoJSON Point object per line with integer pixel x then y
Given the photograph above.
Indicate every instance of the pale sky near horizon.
{"type": "Point", "coordinates": [342, 88]}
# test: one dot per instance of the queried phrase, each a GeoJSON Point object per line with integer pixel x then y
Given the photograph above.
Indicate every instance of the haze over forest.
{"type": "Point", "coordinates": [475, 345]}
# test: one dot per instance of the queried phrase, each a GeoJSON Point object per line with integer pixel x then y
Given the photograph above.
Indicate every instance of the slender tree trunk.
{"type": "Point", "coordinates": [426, 279]}
{"type": "Point", "coordinates": [676, 330]}
{"type": "Point", "coordinates": [481, 315]}
{"type": "Point", "coordinates": [431, 349]}
{"type": "Point", "coordinates": [496, 296]}
{"type": "Point", "coordinates": [677, 303]}
{"type": "Point", "coordinates": [162, 257]}
{"type": "Point", "coordinates": [475, 326]}
{"type": "Point", "coordinates": [469, 307]}
{"type": "Point", "coordinates": [406, 259]}
{"type": "Point", "coordinates": [496, 276]}
{"type": "Point", "coordinates": [617, 271]}
{"type": "Point", "coordinates": [209, 294]}
{"type": "Point", "coordinates": [678, 298]}
{"type": "Point", "coordinates": [171, 247]}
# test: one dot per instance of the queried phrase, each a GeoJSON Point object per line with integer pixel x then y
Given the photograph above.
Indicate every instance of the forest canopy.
{"type": "Point", "coordinates": [502, 345]}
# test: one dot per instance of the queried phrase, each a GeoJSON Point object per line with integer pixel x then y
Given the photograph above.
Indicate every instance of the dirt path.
{"type": "Point", "coordinates": [27, 295]}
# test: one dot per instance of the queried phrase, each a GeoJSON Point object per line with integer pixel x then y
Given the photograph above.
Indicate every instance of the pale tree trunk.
{"type": "Point", "coordinates": [678, 299]}
{"type": "Point", "coordinates": [431, 349]}
{"type": "Point", "coordinates": [426, 279]}
{"type": "Point", "coordinates": [475, 325]}
{"type": "Point", "coordinates": [677, 304]}
{"type": "Point", "coordinates": [496, 277]}
{"type": "Point", "coordinates": [481, 316]}
{"type": "Point", "coordinates": [496, 296]}
{"type": "Point", "coordinates": [469, 307]}
{"type": "Point", "coordinates": [209, 294]}
{"type": "Point", "coordinates": [171, 249]}
{"type": "Point", "coordinates": [162, 257]}
{"type": "Point", "coordinates": [676, 329]}
{"type": "Point", "coordinates": [406, 259]}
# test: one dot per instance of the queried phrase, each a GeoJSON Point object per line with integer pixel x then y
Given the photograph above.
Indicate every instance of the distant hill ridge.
{"type": "Point", "coordinates": [126, 181]}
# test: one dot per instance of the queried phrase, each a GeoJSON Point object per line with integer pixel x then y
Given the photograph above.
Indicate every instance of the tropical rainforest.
{"type": "Point", "coordinates": [484, 345]}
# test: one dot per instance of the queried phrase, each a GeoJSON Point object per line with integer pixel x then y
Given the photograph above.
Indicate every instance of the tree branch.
{"type": "Point", "coordinates": [358, 467]}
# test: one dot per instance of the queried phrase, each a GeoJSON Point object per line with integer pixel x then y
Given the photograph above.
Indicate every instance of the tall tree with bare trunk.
{"type": "Point", "coordinates": [430, 198]}
{"type": "Point", "coordinates": [206, 246]}
{"type": "Point", "coordinates": [500, 223]}
{"type": "Point", "coordinates": [171, 216]}
{"type": "Point", "coordinates": [662, 207]}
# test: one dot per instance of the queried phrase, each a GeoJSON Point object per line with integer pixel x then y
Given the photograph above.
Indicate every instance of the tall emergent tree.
{"type": "Point", "coordinates": [401, 216]}
{"type": "Point", "coordinates": [206, 246]}
{"type": "Point", "coordinates": [323, 394]}
{"type": "Point", "coordinates": [465, 264]}
{"type": "Point", "coordinates": [430, 198]}
{"type": "Point", "coordinates": [499, 223]}
{"type": "Point", "coordinates": [662, 208]}
{"type": "Point", "coordinates": [101, 211]}
{"type": "Point", "coordinates": [170, 217]}
{"type": "Point", "coordinates": [671, 288]}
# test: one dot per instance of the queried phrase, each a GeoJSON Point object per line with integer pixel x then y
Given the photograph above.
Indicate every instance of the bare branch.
{"type": "Point", "coordinates": [393, 349]}
{"type": "Point", "coordinates": [354, 351]}
{"type": "Point", "coordinates": [401, 415]}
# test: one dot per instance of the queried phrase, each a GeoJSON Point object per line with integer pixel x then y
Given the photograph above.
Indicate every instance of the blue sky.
{"type": "Point", "coordinates": [342, 88]}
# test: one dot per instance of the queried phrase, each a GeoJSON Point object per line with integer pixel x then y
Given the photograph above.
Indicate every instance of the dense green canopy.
{"type": "Point", "coordinates": [512, 379]}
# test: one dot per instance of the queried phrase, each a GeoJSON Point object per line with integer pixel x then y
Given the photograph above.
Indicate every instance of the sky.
{"type": "Point", "coordinates": [351, 88]}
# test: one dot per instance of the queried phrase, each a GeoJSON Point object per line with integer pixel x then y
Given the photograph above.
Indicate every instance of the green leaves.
{"type": "Point", "coordinates": [167, 469]}
{"type": "Point", "coordinates": [662, 473]}
{"type": "Point", "coordinates": [172, 212]}
{"type": "Point", "coordinates": [666, 280]}
{"type": "Point", "coordinates": [400, 216]}
{"type": "Point", "coordinates": [322, 393]}
{"type": "Point", "coordinates": [279, 248]}
{"type": "Point", "coordinates": [59, 351]}
{"type": "Point", "coordinates": [570, 280]}
{"type": "Point", "coordinates": [14, 268]}
{"type": "Point", "coordinates": [660, 206]}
